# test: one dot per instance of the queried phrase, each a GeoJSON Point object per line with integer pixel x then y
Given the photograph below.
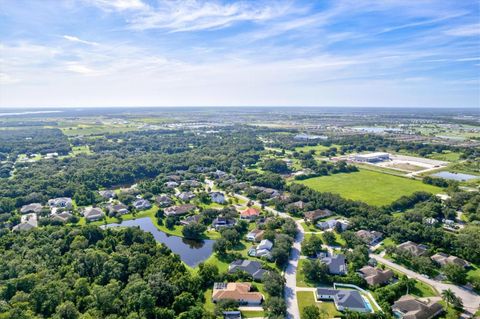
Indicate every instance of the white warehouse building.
{"type": "Point", "coordinates": [372, 157]}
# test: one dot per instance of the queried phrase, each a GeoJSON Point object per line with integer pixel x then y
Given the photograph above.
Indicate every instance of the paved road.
{"type": "Point", "coordinates": [471, 301]}
{"type": "Point", "coordinates": [290, 295]}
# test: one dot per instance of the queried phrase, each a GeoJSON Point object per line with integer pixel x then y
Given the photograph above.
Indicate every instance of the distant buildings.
{"type": "Point", "coordinates": [120, 209]}
{"type": "Point", "coordinates": [27, 222]}
{"type": "Point", "coordinates": [372, 157]}
{"type": "Point", "coordinates": [218, 197]}
{"type": "Point", "coordinates": [186, 196]}
{"type": "Point", "coordinates": [331, 224]}
{"type": "Point", "coordinates": [343, 299]}
{"type": "Point", "coordinates": [223, 222]}
{"type": "Point", "coordinates": [164, 201]}
{"type": "Point", "coordinates": [309, 137]}
{"type": "Point", "coordinates": [409, 307]}
{"type": "Point", "coordinates": [107, 194]}
{"type": "Point", "coordinates": [238, 291]}
{"type": "Point", "coordinates": [255, 235]}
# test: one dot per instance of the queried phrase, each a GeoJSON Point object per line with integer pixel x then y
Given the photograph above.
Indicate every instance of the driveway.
{"type": "Point", "coordinates": [471, 301]}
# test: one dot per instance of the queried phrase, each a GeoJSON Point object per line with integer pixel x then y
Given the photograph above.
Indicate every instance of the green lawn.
{"type": "Point", "coordinates": [371, 187]}
{"type": "Point", "coordinates": [446, 156]}
{"type": "Point", "coordinates": [253, 314]}
{"type": "Point", "coordinates": [307, 298]}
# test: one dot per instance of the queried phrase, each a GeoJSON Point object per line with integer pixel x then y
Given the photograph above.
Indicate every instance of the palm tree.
{"type": "Point", "coordinates": [449, 296]}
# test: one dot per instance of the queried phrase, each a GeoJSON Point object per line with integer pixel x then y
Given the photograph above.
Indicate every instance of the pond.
{"type": "Point", "coordinates": [192, 252]}
{"type": "Point", "coordinates": [455, 176]}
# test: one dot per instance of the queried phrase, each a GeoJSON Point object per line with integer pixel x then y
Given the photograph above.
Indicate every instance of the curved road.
{"type": "Point", "coordinates": [470, 299]}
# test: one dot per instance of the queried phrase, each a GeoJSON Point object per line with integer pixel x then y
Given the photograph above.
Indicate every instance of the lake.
{"type": "Point", "coordinates": [455, 176]}
{"type": "Point", "coordinates": [192, 252]}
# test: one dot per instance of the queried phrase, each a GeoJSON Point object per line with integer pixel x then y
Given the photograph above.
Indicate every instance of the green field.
{"type": "Point", "coordinates": [371, 187]}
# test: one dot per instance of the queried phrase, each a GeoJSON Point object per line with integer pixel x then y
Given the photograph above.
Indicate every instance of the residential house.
{"type": "Point", "coordinates": [63, 216]}
{"type": "Point", "coordinates": [218, 197]}
{"type": "Point", "coordinates": [61, 202]}
{"type": "Point", "coordinates": [369, 237]}
{"type": "Point", "coordinates": [142, 204]}
{"type": "Point", "coordinates": [254, 268]}
{"type": "Point", "coordinates": [194, 219]}
{"type": "Point", "coordinates": [336, 264]}
{"type": "Point", "coordinates": [27, 222]}
{"type": "Point", "coordinates": [414, 249]}
{"type": "Point", "coordinates": [331, 224]}
{"type": "Point", "coordinates": [191, 183]}
{"type": "Point", "coordinates": [409, 307]}
{"type": "Point", "coordinates": [179, 210]}
{"type": "Point", "coordinates": [255, 235]}
{"type": "Point", "coordinates": [250, 213]}
{"type": "Point", "coordinates": [93, 213]}
{"type": "Point", "coordinates": [314, 215]}
{"type": "Point", "coordinates": [219, 174]}
{"type": "Point", "coordinates": [262, 249]}
{"type": "Point", "coordinates": [31, 208]}
{"type": "Point", "coordinates": [119, 208]}
{"type": "Point", "coordinates": [223, 222]}
{"type": "Point", "coordinates": [238, 291]}
{"type": "Point", "coordinates": [107, 194]}
{"type": "Point", "coordinates": [444, 259]}
{"type": "Point", "coordinates": [171, 184]}
{"type": "Point", "coordinates": [350, 300]}
{"type": "Point", "coordinates": [375, 276]}
{"type": "Point", "coordinates": [186, 196]}
{"type": "Point", "coordinates": [295, 206]}
{"type": "Point", "coordinates": [164, 200]}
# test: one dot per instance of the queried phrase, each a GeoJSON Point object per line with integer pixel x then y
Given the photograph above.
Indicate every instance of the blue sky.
{"type": "Point", "coordinates": [418, 53]}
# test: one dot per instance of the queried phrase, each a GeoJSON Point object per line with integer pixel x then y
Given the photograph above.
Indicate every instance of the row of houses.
{"type": "Point", "coordinates": [417, 250]}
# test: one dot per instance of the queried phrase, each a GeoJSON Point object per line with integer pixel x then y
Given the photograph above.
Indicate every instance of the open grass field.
{"type": "Point", "coordinates": [317, 148]}
{"type": "Point", "coordinates": [307, 298]}
{"type": "Point", "coordinates": [371, 187]}
{"type": "Point", "coordinates": [447, 156]}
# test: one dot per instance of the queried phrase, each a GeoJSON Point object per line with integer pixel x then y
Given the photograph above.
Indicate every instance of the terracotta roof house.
{"type": "Point", "coordinates": [93, 213]}
{"type": "Point", "coordinates": [249, 213]}
{"type": "Point", "coordinates": [255, 235]}
{"type": "Point", "coordinates": [238, 291]}
{"type": "Point", "coordinates": [369, 237]}
{"type": "Point", "coordinates": [343, 299]}
{"type": "Point", "coordinates": [179, 210]}
{"type": "Point", "coordinates": [254, 268]}
{"type": "Point", "coordinates": [415, 249]}
{"type": "Point", "coordinates": [444, 259]}
{"type": "Point", "coordinates": [313, 215]}
{"type": "Point", "coordinates": [409, 307]}
{"type": "Point", "coordinates": [374, 276]}
{"type": "Point", "coordinates": [336, 264]}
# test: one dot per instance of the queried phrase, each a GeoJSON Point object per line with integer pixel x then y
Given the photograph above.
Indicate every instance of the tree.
{"type": "Point", "coordinates": [273, 283]}
{"type": "Point", "coordinates": [225, 305]}
{"type": "Point", "coordinates": [208, 273]}
{"type": "Point", "coordinates": [311, 312]}
{"type": "Point", "coordinates": [329, 238]}
{"type": "Point", "coordinates": [449, 297]}
{"type": "Point", "coordinates": [67, 310]}
{"type": "Point", "coordinates": [194, 230]}
{"type": "Point", "coordinates": [275, 307]}
{"type": "Point", "coordinates": [316, 271]}
{"type": "Point", "coordinates": [455, 273]}
{"type": "Point", "coordinates": [183, 302]}
{"type": "Point", "coordinates": [312, 246]}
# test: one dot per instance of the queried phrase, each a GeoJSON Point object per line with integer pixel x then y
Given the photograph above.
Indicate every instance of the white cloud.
{"type": "Point", "coordinates": [76, 67]}
{"type": "Point", "coordinates": [470, 30]}
{"type": "Point", "coordinates": [78, 40]}
{"type": "Point", "coordinates": [118, 5]}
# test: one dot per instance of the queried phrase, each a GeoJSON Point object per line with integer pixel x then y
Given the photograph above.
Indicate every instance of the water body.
{"type": "Point", "coordinates": [455, 176]}
{"type": "Point", "coordinates": [192, 252]}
